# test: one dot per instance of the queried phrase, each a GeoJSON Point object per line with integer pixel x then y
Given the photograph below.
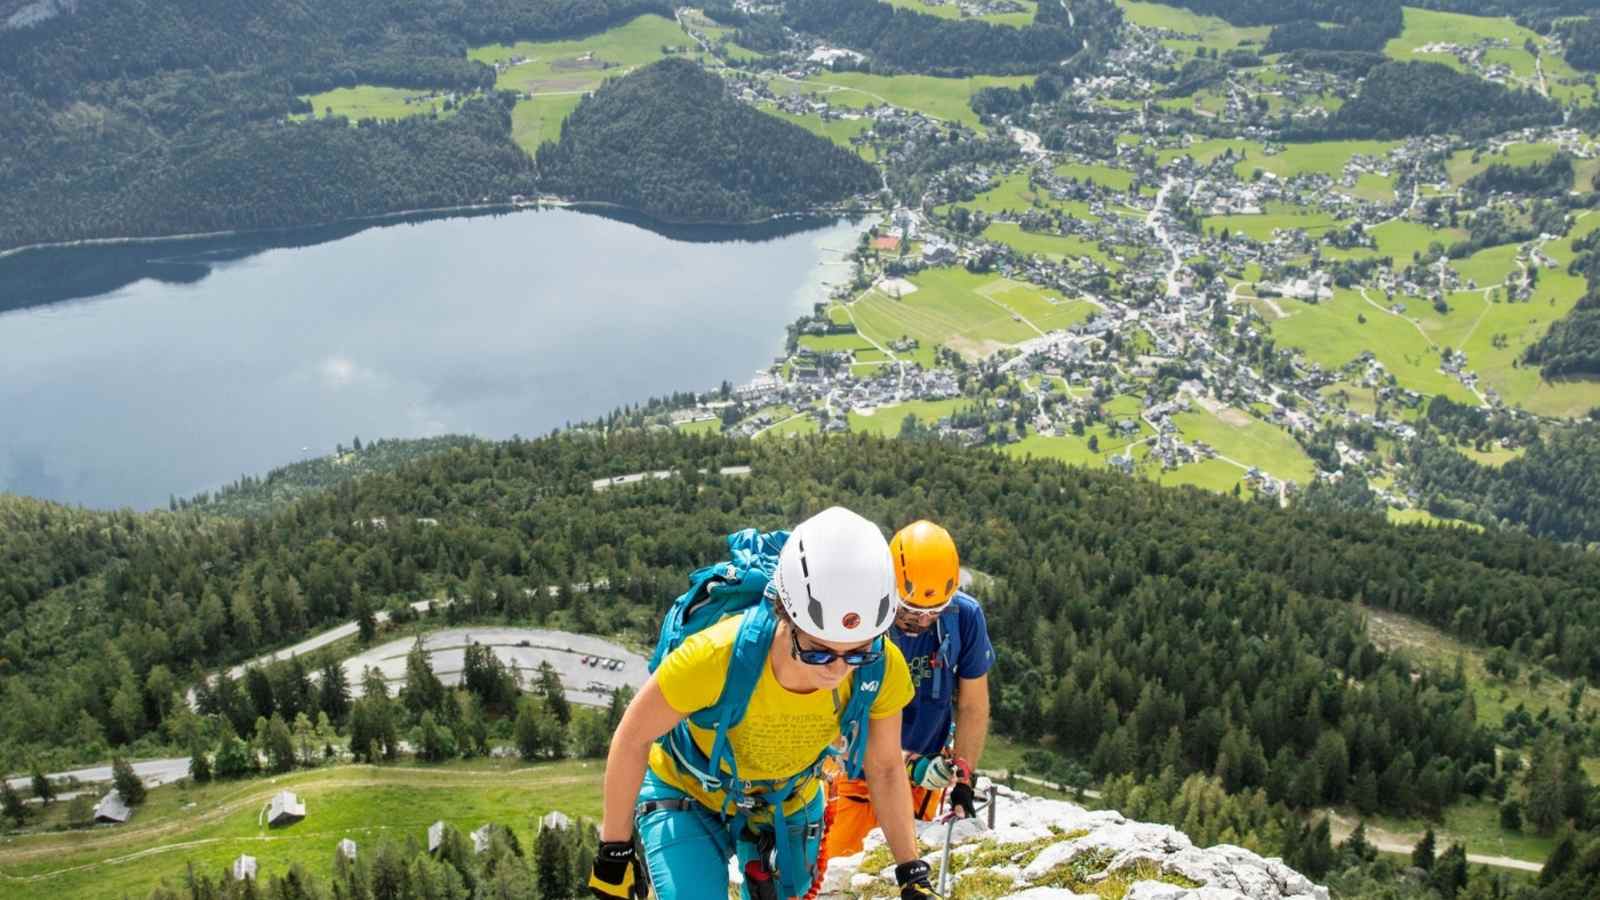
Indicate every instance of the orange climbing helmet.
{"type": "Point", "coordinates": [926, 567]}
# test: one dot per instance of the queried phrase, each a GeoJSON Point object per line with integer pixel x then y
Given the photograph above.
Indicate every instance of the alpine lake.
{"type": "Point", "coordinates": [133, 373]}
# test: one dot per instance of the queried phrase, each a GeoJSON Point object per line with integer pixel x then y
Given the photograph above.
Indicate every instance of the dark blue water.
{"type": "Point", "coordinates": [210, 361]}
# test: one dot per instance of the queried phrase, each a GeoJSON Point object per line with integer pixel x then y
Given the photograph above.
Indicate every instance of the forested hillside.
{"type": "Point", "coordinates": [1553, 490]}
{"type": "Point", "coordinates": [1141, 627]}
{"type": "Point", "coordinates": [1402, 99]}
{"type": "Point", "coordinates": [900, 39]}
{"type": "Point", "coordinates": [668, 141]}
{"type": "Point", "coordinates": [122, 117]}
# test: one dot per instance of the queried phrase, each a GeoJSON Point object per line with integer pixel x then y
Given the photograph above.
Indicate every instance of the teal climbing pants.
{"type": "Point", "coordinates": [687, 846]}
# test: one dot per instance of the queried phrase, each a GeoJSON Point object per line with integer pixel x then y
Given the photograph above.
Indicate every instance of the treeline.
{"type": "Point", "coordinates": [118, 40]}
{"type": "Point", "coordinates": [1299, 24]}
{"type": "Point", "coordinates": [254, 495]}
{"type": "Point", "coordinates": [1347, 63]}
{"type": "Point", "coordinates": [1405, 99]}
{"type": "Point", "coordinates": [1571, 348]}
{"type": "Point", "coordinates": [1553, 490]}
{"type": "Point", "coordinates": [1553, 177]}
{"type": "Point", "coordinates": [1143, 628]}
{"type": "Point", "coordinates": [275, 174]}
{"type": "Point", "coordinates": [902, 40]}
{"type": "Point", "coordinates": [668, 141]}
{"type": "Point", "coordinates": [121, 117]}
{"type": "Point", "coordinates": [1582, 38]}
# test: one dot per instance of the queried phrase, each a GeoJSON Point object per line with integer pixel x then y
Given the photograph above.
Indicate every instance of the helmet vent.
{"type": "Point", "coordinates": [883, 610]}
{"type": "Point", "coordinates": [814, 608]}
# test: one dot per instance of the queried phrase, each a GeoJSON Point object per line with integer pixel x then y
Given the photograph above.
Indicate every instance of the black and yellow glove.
{"type": "Point", "coordinates": [618, 873]}
{"type": "Point", "coordinates": [913, 878]}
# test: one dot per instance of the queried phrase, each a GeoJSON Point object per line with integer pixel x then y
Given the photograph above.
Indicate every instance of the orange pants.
{"type": "Point", "coordinates": [852, 815]}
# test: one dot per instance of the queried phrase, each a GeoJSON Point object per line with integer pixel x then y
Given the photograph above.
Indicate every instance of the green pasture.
{"type": "Point", "coordinates": [793, 427]}
{"type": "Point", "coordinates": [941, 98]}
{"type": "Point", "coordinates": [1261, 226]}
{"type": "Point", "coordinates": [1330, 333]}
{"type": "Point", "coordinates": [1013, 195]}
{"type": "Point", "coordinates": [951, 306]}
{"type": "Point", "coordinates": [1400, 239]}
{"type": "Point", "coordinates": [1475, 824]}
{"type": "Point", "coordinates": [1052, 246]}
{"type": "Point", "coordinates": [1074, 450]}
{"type": "Point", "coordinates": [701, 426]}
{"type": "Point", "coordinates": [1464, 164]}
{"type": "Point", "coordinates": [951, 10]}
{"type": "Point", "coordinates": [562, 66]}
{"type": "Point", "coordinates": [1423, 517]}
{"type": "Point", "coordinates": [367, 101]}
{"type": "Point", "coordinates": [838, 130]}
{"type": "Point", "coordinates": [535, 120]}
{"type": "Point", "coordinates": [1240, 436]}
{"type": "Point", "coordinates": [1521, 324]}
{"type": "Point", "coordinates": [1208, 474]}
{"type": "Point", "coordinates": [1490, 267]}
{"type": "Point", "coordinates": [1377, 188]}
{"type": "Point", "coordinates": [1105, 176]}
{"type": "Point", "coordinates": [1205, 152]}
{"type": "Point", "coordinates": [210, 826]}
{"type": "Point", "coordinates": [886, 420]}
{"type": "Point", "coordinates": [1211, 31]}
{"type": "Point", "coordinates": [1423, 27]}
{"type": "Point", "coordinates": [1323, 157]}
{"type": "Point", "coordinates": [1046, 312]}
{"type": "Point", "coordinates": [1494, 457]}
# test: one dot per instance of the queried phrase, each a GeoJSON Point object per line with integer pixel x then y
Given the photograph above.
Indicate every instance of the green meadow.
{"type": "Point", "coordinates": [1208, 474]}
{"type": "Point", "coordinates": [886, 420]}
{"type": "Point", "coordinates": [1210, 31]}
{"type": "Point", "coordinates": [1464, 164]}
{"type": "Point", "coordinates": [1260, 227]}
{"type": "Point", "coordinates": [1052, 246]}
{"type": "Point", "coordinates": [1250, 441]}
{"type": "Point", "coordinates": [1331, 333]}
{"type": "Point", "coordinates": [974, 315]}
{"type": "Point", "coordinates": [367, 101]}
{"type": "Point", "coordinates": [941, 98]}
{"type": "Point", "coordinates": [211, 825]}
{"type": "Point", "coordinates": [1105, 176]}
{"type": "Point", "coordinates": [1424, 27]}
{"type": "Point", "coordinates": [538, 119]}
{"type": "Point", "coordinates": [581, 64]}
{"type": "Point", "coordinates": [951, 10]}
{"type": "Point", "coordinates": [840, 131]}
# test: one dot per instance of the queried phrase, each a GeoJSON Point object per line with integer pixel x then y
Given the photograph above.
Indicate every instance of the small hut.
{"type": "Point", "coordinates": [112, 809]}
{"type": "Point", "coordinates": [244, 868]}
{"type": "Point", "coordinates": [482, 838]}
{"type": "Point", "coordinates": [347, 849]}
{"type": "Point", "coordinates": [435, 836]}
{"type": "Point", "coordinates": [555, 819]}
{"type": "Point", "coordinates": [285, 809]}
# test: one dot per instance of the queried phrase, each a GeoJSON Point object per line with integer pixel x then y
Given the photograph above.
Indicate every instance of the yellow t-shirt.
{"type": "Point", "coordinates": [782, 732]}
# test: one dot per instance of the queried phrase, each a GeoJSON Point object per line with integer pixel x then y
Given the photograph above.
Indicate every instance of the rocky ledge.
{"type": "Point", "coordinates": [1051, 850]}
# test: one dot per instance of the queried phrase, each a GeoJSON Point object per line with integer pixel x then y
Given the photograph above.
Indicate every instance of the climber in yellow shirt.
{"type": "Point", "coordinates": [699, 794]}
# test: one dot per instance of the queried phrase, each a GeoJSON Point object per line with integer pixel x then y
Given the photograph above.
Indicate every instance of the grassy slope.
{"type": "Point", "coordinates": [366, 803]}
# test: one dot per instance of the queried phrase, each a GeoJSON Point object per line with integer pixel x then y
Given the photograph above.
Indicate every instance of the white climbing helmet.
{"type": "Point", "coordinates": [835, 578]}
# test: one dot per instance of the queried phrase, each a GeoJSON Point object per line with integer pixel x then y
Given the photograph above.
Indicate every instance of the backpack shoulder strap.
{"type": "Point", "coordinates": [864, 687]}
{"type": "Point", "coordinates": [948, 632]}
{"type": "Point", "coordinates": [745, 666]}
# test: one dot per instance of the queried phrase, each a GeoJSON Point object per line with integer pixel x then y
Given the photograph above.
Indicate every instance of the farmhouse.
{"type": "Point", "coordinates": [111, 809]}
{"type": "Point", "coordinates": [285, 809]}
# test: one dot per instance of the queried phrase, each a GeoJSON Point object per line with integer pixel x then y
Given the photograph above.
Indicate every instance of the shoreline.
{"type": "Point", "coordinates": [379, 219]}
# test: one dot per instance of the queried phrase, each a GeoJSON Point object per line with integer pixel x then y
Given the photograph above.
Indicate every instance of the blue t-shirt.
{"type": "Point", "coordinates": [925, 724]}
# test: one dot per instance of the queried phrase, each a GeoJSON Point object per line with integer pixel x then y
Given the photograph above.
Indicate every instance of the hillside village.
{"type": "Point", "coordinates": [1188, 251]}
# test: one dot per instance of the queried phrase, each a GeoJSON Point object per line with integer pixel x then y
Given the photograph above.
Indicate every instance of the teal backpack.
{"type": "Point", "coordinates": [741, 587]}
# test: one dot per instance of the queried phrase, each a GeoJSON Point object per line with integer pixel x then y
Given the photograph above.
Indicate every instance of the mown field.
{"type": "Point", "coordinates": [212, 825]}
{"type": "Point", "coordinates": [951, 10]}
{"type": "Point", "coordinates": [969, 313]}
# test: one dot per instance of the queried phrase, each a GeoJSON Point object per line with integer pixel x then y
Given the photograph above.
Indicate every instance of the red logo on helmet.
{"type": "Point", "coordinates": [851, 620]}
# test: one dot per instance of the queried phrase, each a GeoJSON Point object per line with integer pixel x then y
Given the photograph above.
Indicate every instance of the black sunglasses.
{"type": "Point", "coordinates": [860, 657]}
